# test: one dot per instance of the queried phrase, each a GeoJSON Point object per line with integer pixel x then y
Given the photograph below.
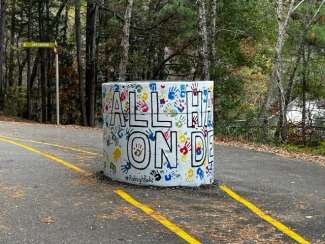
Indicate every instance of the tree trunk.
{"type": "Point", "coordinates": [2, 38]}
{"type": "Point", "coordinates": [125, 43]}
{"type": "Point", "coordinates": [283, 21]}
{"type": "Point", "coordinates": [283, 17]}
{"type": "Point", "coordinates": [82, 92]}
{"type": "Point", "coordinates": [278, 76]}
{"type": "Point", "coordinates": [12, 43]}
{"type": "Point", "coordinates": [43, 65]}
{"type": "Point", "coordinates": [213, 32]}
{"type": "Point", "coordinates": [6, 61]}
{"type": "Point", "coordinates": [21, 67]}
{"type": "Point", "coordinates": [214, 59]}
{"type": "Point", "coordinates": [282, 130]}
{"type": "Point", "coordinates": [29, 92]}
{"type": "Point", "coordinates": [304, 88]}
{"type": "Point", "coordinates": [305, 75]}
{"type": "Point", "coordinates": [91, 26]}
{"type": "Point", "coordinates": [35, 69]}
{"type": "Point", "coordinates": [43, 85]}
{"type": "Point", "coordinates": [65, 25]}
{"type": "Point", "coordinates": [202, 24]}
{"type": "Point", "coordinates": [48, 62]}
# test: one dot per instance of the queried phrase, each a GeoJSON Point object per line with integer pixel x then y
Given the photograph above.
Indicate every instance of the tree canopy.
{"type": "Point", "coordinates": [261, 54]}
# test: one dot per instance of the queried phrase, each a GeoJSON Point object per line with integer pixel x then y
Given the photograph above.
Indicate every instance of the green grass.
{"type": "Point", "coordinates": [320, 150]}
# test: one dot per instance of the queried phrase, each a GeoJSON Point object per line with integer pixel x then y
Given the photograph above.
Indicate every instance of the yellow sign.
{"type": "Point", "coordinates": [38, 44]}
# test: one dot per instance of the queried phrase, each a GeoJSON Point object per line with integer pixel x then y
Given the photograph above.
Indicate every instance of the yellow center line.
{"type": "Point", "coordinates": [155, 215]}
{"type": "Point", "coordinates": [278, 225]}
{"type": "Point", "coordinates": [53, 145]}
{"type": "Point", "coordinates": [48, 156]}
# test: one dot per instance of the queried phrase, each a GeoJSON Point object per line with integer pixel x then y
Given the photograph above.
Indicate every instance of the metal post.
{"type": "Point", "coordinates": [57, 85]}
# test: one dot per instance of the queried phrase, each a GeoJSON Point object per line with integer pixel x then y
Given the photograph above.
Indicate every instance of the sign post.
{"type": "Point", "coordinates": [57, 84]}
{"type": "Point", "coordinates": [54, 46]}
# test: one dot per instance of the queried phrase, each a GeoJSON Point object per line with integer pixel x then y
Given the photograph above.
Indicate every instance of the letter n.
{"type": "Point", "coordinates": [166, 151]}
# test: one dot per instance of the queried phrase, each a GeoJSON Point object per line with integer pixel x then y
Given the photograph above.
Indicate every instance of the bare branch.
{"type": "Point", "coordinates": [297, 6]}
{"type": "Point", "coordinates": [290, 11]}
{"type": "Point", "coordinates": [150, 28]}
{"type": "Point", "coordinates": [125, 43]}
{"type": "Point", "coordinates": [317, 12]}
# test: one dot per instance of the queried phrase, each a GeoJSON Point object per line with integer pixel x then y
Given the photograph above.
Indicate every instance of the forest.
{"type": "Point", "coordinates": [265, 57]}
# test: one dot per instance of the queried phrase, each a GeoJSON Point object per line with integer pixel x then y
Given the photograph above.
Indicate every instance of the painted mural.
{"type": "Point", "coordinates": [159, 133]}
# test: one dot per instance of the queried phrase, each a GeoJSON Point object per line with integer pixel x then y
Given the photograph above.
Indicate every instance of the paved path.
{"type": "Point", "coordinates": [43, 202]}
{"type": "Point", "coordinates": [293, 191]}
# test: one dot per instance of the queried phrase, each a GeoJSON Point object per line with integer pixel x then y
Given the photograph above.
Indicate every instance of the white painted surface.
{"type": "Point", "coordinates": [159, 133]}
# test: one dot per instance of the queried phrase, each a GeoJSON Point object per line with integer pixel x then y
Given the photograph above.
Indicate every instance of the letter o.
{"type": "Point", "coordinates": [140, 163]}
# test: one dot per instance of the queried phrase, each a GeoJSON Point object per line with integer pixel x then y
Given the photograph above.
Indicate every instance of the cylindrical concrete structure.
{"type": "Point", "coordinates": [159, 132]}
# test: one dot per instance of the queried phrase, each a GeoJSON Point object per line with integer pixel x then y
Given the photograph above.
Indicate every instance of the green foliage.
{"type": "Point", "coordinates": [317, 35]}
{"type": "Point", "coordinates": [244, 44]}
{"type": "Point", "coordinates": [164, 44]}
{"type": "Point", "coordinates": [318, 150]}
{"type": "Point", "coordinates": [228, 93]}
{"type": "Point", "coordinates": [15, 101]}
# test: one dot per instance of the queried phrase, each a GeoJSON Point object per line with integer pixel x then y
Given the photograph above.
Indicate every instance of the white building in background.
{"type": "Point", "coordinates": [315, 111]}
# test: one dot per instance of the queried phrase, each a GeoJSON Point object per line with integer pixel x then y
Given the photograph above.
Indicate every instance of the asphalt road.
{"type": "Point", "coordinates": [43, 202]}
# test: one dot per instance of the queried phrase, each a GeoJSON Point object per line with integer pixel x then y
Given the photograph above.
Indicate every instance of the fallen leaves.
{"type": "Point", "coordinates": [47, 220]}
{"type": "Point", "coordinates": [107, 216]}
{"type": "Point", "coordinates": [120, 212]}
{"type": "Point", "coordinates": [275, 150]}
{"type": "Point", "coordinates": [84, 181]}
{"type": "Point", "coordinates": [15, 192]}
